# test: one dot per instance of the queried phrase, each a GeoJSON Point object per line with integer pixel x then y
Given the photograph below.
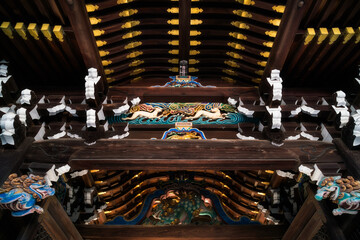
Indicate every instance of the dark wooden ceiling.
{"type": "Point", "coordinates": [140, 42]}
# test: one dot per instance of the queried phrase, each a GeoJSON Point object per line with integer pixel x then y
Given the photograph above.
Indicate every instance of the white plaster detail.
{"type": "Point", "coordinates": [275, 82]}
{"type": "Point", "coordinates": [90, 81]}
{"type": "Point", "coordinates": [58, 135]}
{"type": "Point", "coordinates": [78, 173]}
{"type": "Point", "coordinates": [340, 99]}
{"type": "Point", "coordinates": [7, 127]}
{"type": "Point", "coordinates": [135, 101]}
{"type": "Point", "coordinates": [232, 101]}
{"type": "Point", "coordinates": [344, 115]}
{"type": "Point", "coordinates": [40, 134]}
{"type": "Point", "coordinates": [91, 118]}
{"type": "Point", "coordinates": [63, 169]}
{"type": "Point", "coordinates": [120, 136]}
{"type": "Point", "coordinates": [317, 174]}
{"type": "Point", "coordinates": [22, 115]}
{"type": "Point", "coordinates": [56, 109]}
{"type": "Point", "coordinates": [73, 136]}
{"type": "Point", "coordinates": [285, 174]}
{"type": "Point", "coordinates": [245, 111]}
{"type": "Point", "coordinates": [34, 113]}
{"type": "Point", "coordinates": [25, 97]}
{"type": "Point", "coordinates": [275, 113]}
{"type": "Point", "coordinates": [101, 114]}
{"type": "Point", "coordinates": [325, 134]}
{"type": "Point", "coordinates": [308, 136]}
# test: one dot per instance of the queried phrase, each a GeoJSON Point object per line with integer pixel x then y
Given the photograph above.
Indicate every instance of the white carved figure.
{"type": "Point", "coordinates": [356, 131]}
{"type": "Point", "coordinates": [275, 114]}
{"type": "Point", "coordinates": [276, 82]}
{"type": "Point", "coordinates": [144, 114]}
{"type": "Point", "coordinates": [340, 99]}
{"type": "Point", "coordinates": [213, 114]}
{"type": "Point", "coordinates": [90, 81]}
{"type": "Point", "coordinates": [91, 118]}
{"type": "Point", "coordinates": [7, 127]}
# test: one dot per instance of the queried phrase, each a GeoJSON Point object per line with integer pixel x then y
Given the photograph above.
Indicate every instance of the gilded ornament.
{"type": "Point", "coordinates": [59, 32]}
{"type": "Point", "coordinates": [240, 25]}
{"type": "Point", "coordinates": [106, 62]}
{"type": "Point", "coordinates": [234, 55]}
{"type": "Point", "coordinates": [136, 63]}
{"type": "Point", "coordinates": [348, 34]}
{"type": "Point", "coordinates": [134, 54]}
{"type": "Point", "coordinates": [91, 7]}
{"type": "Point", "coordinates": [238, 35]}
{"type": "Point", "coordinates": [194, 52]}
{"type": "Point", "coordinates": [323, 33]}
{"type": "Point", "coordinates": [130, 24]}
{"type": "Point", "coordinates": [236, 45]}
{"type": "Point", "coordinates": [132, 45]}
{"type": "Point", "coordinates": [98, 32]}
{"type": "Point", "coordinates": [232, 64]}
{"type": "Point", "coordinates": [137, 71]}
{"type": "Point", "coordinates": [131, 34]}
{"type": "Point", "coordinates": [46, 31]}
{"type": "Point", "coordinates": [242, 13]}
{"type": "Point", "coordinates": [21, 30]}
{"type": "Point", "coordinates": [246, 2]}
{"type": "Point", "coordinates": [275, 22]}
{"type": "Point", "coordinates": [279, 8]}
{"type": "Point", "coordinates": [100, 43]}
{"type": "Point", "coordinates": [334, 35]}
{"type": "Point", "coordinates": [33, 30]}
{"type": "Point", "coordinates": [128, 13]}
{"type": "Point", "coordinates": [94, 21]}
{"type": "Point", "coordinates": [230, 72]}
{"type": "Point", "coordinates": [310, 34]}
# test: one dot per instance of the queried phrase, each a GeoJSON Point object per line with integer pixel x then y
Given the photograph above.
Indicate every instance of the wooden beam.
{"type": "Point", "coordinates": [290, 22]}
{"type": "Point", "coordinates": [79, 20]}
{"type": "Point", "coordinates": [181, 232]}
{"type": "Point", "coordinates": [351, 158]}
{"type": "Point", "coordinates": [184, 29]}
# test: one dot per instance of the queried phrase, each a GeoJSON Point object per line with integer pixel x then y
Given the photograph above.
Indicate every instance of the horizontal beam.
{"type": "Point", "coordinates": [135, 154]}
{"type": "Point", "coordinates": [181, 232]}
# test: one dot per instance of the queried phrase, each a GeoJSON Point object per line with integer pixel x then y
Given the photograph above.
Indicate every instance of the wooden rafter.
{"type": "Point", "coordinates": [184, 29]}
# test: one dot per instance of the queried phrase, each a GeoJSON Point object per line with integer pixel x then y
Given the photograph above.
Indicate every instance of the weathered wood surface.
{"type": "Point", "coordinates": [181, 232]}
{"type": "Point", "coordinates": [198, 155]}
{"type": "Point", "coordinates": [56, 222]}
{"type": "Point", "coordinates": [351, 158]}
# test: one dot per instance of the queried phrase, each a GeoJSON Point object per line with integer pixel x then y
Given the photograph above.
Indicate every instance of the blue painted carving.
{"type": "Point", "coordinates": [19, 194]}
{"type": "Point", "coordinates": [182, 131]}
{"type": "Point", "coordinates": [343, 191]}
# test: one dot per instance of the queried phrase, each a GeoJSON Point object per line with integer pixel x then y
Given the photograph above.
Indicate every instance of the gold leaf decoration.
{"type": "Point", "coordinates": [259, 72]}
{"type": "Point", "coordinates": [100, 43]}
{"type": "Point", "coordinates": [334, 35]}
{"type": "Point", "coordinates": [173, 21]}
{"type": "Point", "coordinates": [275, 22]}
{"type": "Point", "coordinates": [137, 71]}
{"type": "Point", "coordinates": [238, 35]}
{"type": "Point", "coordinates": [124, 1]}
{"type": "Point", "coordinates": [136, 79]}
{"type": "Point", "coordinates": [230, 72]}
{"type": "Point", "coordinates": [136, 63]}
{"type": "Point", "coordinates": [194, 52]}
{"type": "Point", "coordinates": [265, 54]}
{"type": "Point", "coordinates": [193, 61]}
{"type": "Point", "coordinates": [195, 43]}
{"type": "Point", "coordinates": [246, 2]}
{"type": "Point", "coordinates": [174, 51]}
{"type": "Point", "coordinates": [310, 34]}
{"type": "Point", "coordinates": [242, 13]}
{"type": "Point", "coordinates": [236, 45]}
{"type": "Point", "coordinates": [94, 21]}
{"type": "Point", "coordinates": [130, 24]}
{"type": "Point", "coordinates": [106, 62]}
{"type": "Point", "coordinates": [279, 8]}
{"type": "Point", "coordinates": [127, 13]}
{"type": "Point", "coordinates": [174, 61]}
{"type": "Point", "coordinates": [268, 44]}
{"type": "Point", "coordinates": [271, 33]}
{"type": "Point", "coordinates": [262, 63]}
{"type": "Point", "coordinates": [323, 33]}
{"type": "Point", "coordinates": [173, 10]}
{"type": "Point", "coordinates": [232, 64]}
{"type": "Point", "coordinates": [131, 34]}
{"type": "Point", "coordinates": [195, 22]}
{"type": "Point", "coordinates": [91, 7]}
{"type": "Point", "coordinates": [33, 30]}
{"type": "Point", "coordinates": [234, 55]}
{"type": "Point", "coordinates": [104, 53]}
{"type": "Point", "coordinates": [173, 32]}
{"type": "Point", "coordinates": [134, 54]}
{"type": "Point", "coordinates": [348, 34]}
{"type": "Point", "coordinates": [132, 45]}
{"type": "Point", "coordinates": [108, 71]}
{"type": "Point", "coordinates": [194, 33]}
{"type": "Point", "coordinates": [98, 32]}
{"type": "Point", "coordinates": [21, 30]}
{"type": "Point", "coordinates": [227, 79]}
{"type": "Point", "coordinates": [174, 42]}
{"type": "Point", "coordinates": [240, 25]}
{"type": "Point", "coordinates": [196, 10]}
{"type": "Point", "coordinates": [174, 69]}
{"type": "Point", "coordinates": [192, 70]}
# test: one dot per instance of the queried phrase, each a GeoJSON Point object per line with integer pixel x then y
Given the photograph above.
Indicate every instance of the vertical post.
{"type": "Point", "coordinates": [184, 29]}
{"type": "Point", "coordinates": [79, 20]}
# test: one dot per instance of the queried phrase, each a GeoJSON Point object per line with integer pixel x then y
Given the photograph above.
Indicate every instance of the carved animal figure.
{"type": "Point", "coordinates": [20, 194]}
{"type": "Point", "coordinates": [344, 191]}
{"type": "Point", "coordinates": [144, 114]}
{"type": "Point", "coordinates": [213, 114]}
{"type": "Point", "coordinates": [190, 135]}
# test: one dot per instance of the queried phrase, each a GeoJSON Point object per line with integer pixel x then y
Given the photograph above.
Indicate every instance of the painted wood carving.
{"type": "Point", "coordinates": [19, 194]}
{"type": "Point", "coordinates": [170, 113]}
{"type": "Point", "coordinates": [343, 191]}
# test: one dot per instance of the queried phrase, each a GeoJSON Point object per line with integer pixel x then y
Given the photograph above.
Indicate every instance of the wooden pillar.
{"type": "Point", "coordinates": [56, 222]}
{"type": "Point", "coordinates": [79, 20]}
{"type": "Point", "coordinates": [308, 220]}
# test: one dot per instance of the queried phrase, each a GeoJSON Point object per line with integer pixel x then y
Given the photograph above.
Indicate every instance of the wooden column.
{"type": "Point", "coordinates": [290, 22]}
{"type": "Point", "coordinates": [308, 220]}
{"type": "Point", "coordinates": [79, 20]}
{"type": "Point", "coordinates": [56, 222]}
{"type": "Point", "coordinates": [184, 29]}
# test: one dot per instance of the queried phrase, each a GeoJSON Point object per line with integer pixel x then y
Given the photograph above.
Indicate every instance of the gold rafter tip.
{"type": "Point", "coordinates": [131, 34]}
{"type": "Point", "coordinates": [174, 51]}
{"type": "Point", "coordinates": [348, 34]}
{"type": "Point", "coordinates": [94, 21]}
{"type": "Point", "coordinates": [194, 52]}
{"type": "Point", "coordinates": [195, 43]}
{"type": "Point", "coordinates": [106, 62]}
{"type": "Point", "coordinates": [194, 33]}
{"type": "Point", "coordinates": [232, 64]}
{"type": "Point", "coordinates": [334, 35]}
{"type": "Point", "coordinates": [7, 29]}
{"type": "Point", "coordinates": [268, 44]}
{"type": "Point", "coordinates": [130, 24]}
{"type": "Point", "coordinates": [174, 42]}
{"type": "Point", "coordinates": [136, 63]}
{"type": "Point", "coordinates": [246, 2]}
{"type": "Point", "coordinates": [259, 72]}
{"type": "Point", "coordinates": [123, 1]}
{"type": "Point", "coordinates": [234, 55]}
{"type": "Point", "coordinates": [110, 80]}
{"type": "Point", "coordinates": [173, 21]}
{"type": "Point", "coordinates": [100, 43]}
{"type": "Point", "coordinates": [279, 8]}
{"type": "Point", "coordinates": [173, 61]}
{"type": "Point", "coordinates": [265, 54]}
{"type": "Point", "coordinates": [238, 35]}
{"type": "Point", "coordinates": [59, 32]}
{"type": "Point", "coordinates": [230, 72]}
{"type": "Point", "coordinates": [192, 70]}
{"type": "Point", "coordinates": [173, 10]}
{"type": "Point", "coordinates": [91, 7]}
{"type": "Point", "coordinates": [310, 34]}
{"type": "Point", "coordinates": [275, 22]}
{"type": "Point", "coordinates": [46, 31]}
{"type": "Point", "coordinates": [127, 13]}
{"type": "Point", "coordinates": [262, 63]}
{"type": "Point", "coordinates": [136, 80]}
{"type": "Point", "coordinates": [173, 32]}
{"type": "Point", "coordinates": [240, 25]}
{"type": "Point", "coordinates": [21, 30]}
{"type": "Point", "coordinates": [108, 71]}
{"type": "Point", "coordinates": [357, 40]}
{"type": "Point", "coordinates": [195, 22]}
{"type": "Point", "coordinates": [242, 13]}
{"type": "Point", "coordinates": [323, 33]}
{"type": "Point", "coordinates": [227, 79]}
{"type": "Point", "coordinates": [193, 61]}
{"type": "Point", "coordinates": [236, 45]}
{"type": "Point", "coordinates": [132, 45]}
{"type": "Point", "coordinates": [137, 71]}
{"type": "Point", "coordinates": [33, 30]}
{"type": "Point", "coordinates": [271, 33]}
{"type": "Point", "coordinates": [196, 10]}
{"type": "Point", "coordinates": [134, 54]}
{"type": "Point", "coordinates": [174, 69]}
{"type": "Point", "coordinates": [98, 32]}
{"type": "Point", "coordinates": [104, 53]}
